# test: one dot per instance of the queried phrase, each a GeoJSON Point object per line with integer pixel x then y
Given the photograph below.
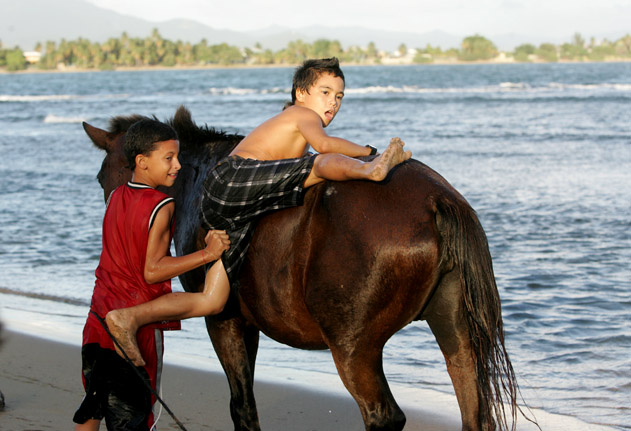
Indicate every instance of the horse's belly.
{"type": "Point", "coordinates": [286, 321]}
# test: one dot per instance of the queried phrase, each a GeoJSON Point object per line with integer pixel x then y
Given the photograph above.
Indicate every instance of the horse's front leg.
{"type": "Point", "coordinates": [359, 364]}
{"type": "Point", "coordinates": [236, 346]}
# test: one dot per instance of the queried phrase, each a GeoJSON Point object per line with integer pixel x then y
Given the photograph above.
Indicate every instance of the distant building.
{"type": "Point", "coordinates": [32, 57]}
{"type": "Point", "coordinates": [503, 58]}
{"type": "Point", "coordinates": [396, 57]}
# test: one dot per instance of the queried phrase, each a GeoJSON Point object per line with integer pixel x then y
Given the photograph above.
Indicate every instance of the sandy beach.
{"type": "Point", "coordinates": [40, 378]}
{"type": "Point", "coordinates": [41, 384]}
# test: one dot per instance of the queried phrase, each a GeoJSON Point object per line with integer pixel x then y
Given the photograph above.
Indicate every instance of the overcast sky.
{"type": "Point", "coordinates": [556, 18]}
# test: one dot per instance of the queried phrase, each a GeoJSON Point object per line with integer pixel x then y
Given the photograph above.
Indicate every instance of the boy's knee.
{"type": "Point", "coordinates": [213, 301]}
{"type": "Point", "coordinates": [218, 301]}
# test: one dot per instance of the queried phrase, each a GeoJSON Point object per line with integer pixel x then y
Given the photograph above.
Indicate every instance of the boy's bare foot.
{"type": "Point", "coordinates": [118, 324]}
{"type": "Point", "coordinates": [392, 156]}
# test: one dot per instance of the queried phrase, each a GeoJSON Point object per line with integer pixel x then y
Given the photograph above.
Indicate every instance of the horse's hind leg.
{"type": "Point", "coordinates": [445, 317]}
{"type": "Point", "coordinates": [236, 347]}
{"type": "Point", "coordinates": [360, 367]}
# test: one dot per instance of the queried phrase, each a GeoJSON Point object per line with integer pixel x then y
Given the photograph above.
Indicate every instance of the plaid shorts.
{"type": "Point", "coordinates": [238, 191]}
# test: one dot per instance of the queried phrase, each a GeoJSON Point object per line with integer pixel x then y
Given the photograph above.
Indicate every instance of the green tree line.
{"type": "Point", "coordinates": [12, 59]}
{"type": "Point", "coordinates": [479, 48]}
{"type": "Point", "coordinates": [154, 50]}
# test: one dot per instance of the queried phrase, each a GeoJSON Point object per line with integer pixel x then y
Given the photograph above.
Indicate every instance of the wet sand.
{"type": "Point", "coordinates": [41, 383]}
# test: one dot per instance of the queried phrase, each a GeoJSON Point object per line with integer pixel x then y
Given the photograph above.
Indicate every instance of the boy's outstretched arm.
{"type": "Point", "coordinates": [310, 126]}
{"type": "Point", "coordinates": [160, 266]}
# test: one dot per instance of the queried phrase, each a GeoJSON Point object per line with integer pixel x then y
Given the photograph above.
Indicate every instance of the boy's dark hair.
{"type": "Point", "coordinates": [308, 73]}
{"type": "Point", "coordinates": [142, 137]}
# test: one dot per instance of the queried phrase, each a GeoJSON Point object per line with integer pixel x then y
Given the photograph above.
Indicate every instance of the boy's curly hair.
{"type": "Point", "coordinates": [308, 73]}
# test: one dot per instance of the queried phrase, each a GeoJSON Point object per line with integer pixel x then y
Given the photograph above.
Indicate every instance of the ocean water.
{"type": "Point", "coordinates": [542, 152]}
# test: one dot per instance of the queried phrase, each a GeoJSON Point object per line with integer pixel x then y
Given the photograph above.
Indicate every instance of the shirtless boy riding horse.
{"type": "Point", "coordinates": [268, 170]}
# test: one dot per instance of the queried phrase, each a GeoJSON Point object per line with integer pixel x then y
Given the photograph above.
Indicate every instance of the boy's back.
{"type": "Point", "coordinates": [277, 138]}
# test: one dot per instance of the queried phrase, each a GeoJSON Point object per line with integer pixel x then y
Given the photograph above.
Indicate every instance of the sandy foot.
{"type": "Point", "coordinates": [118, 325]}
{"type": "Point", "coordinates": [392, 156]}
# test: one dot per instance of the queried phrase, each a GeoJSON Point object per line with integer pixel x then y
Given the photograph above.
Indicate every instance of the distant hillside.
{"type": "Point", "coordinates": [349, 36]}
{"type": "Point", "coordinates": [23, 23]}
{"type": "Point", "coordinates": [26, 22]}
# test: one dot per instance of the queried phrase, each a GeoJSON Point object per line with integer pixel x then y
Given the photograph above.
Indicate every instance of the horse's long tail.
{"type": "Point", "coordinates": [464, 244]}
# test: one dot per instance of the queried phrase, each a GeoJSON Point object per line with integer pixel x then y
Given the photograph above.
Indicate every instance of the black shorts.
{"type": "Point", "coordinates": [114, 391]}
{"type": "Point", "coordinates": [238, 191]}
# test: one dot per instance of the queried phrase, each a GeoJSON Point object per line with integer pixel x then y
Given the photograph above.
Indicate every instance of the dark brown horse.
{"type": "Point", "coordinates": [345, 271]}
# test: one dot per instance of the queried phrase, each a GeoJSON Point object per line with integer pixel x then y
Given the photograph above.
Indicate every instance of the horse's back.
{"type": "Point", "coordinates": [355, 251]}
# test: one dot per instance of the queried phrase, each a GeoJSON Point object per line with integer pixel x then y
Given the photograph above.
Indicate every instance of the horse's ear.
{"type": "Point", "coordinates": [183, 116]}
{"type": "Point", "coordinates": [98, 136]}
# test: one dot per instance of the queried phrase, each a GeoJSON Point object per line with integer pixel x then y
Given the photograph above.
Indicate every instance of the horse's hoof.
{"type": "Point", "coordinates": [1, 401]}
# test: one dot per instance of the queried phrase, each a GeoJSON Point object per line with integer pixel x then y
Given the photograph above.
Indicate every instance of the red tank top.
{"type": "Point", "coordinates": [120, 280]}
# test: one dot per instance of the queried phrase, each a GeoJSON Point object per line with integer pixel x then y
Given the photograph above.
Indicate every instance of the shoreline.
{"type": "Point", "coordinates": [71, 69]}
{"type": "Point", "coordinates": [41, 383]}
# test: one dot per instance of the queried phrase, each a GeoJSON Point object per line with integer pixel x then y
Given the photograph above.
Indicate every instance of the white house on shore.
{"type": "Point", "coordinates": [397, 58]}
{"type": "Point", "coordinates": [32, 57]}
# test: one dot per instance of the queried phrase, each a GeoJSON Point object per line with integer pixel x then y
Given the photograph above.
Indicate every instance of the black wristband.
{"type": "Point", "coordinates": [373, 150]}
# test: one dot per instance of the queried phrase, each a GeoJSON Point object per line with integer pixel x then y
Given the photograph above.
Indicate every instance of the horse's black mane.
{"type": "Point", "coordinates": [192, 137]}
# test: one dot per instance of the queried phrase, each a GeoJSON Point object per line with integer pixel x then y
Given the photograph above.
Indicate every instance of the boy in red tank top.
{"type": "Point", "coordinates": [135, 267]}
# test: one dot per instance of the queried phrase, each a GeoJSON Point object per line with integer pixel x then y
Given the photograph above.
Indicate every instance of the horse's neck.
{"type": "Point", "coordinates": [187, 192]}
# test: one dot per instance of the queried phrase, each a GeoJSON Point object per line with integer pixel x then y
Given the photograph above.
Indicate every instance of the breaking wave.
{"type": "Point", "coordinates": [51, 119]}
{"type": "Point", "coordinates": [30, 98]}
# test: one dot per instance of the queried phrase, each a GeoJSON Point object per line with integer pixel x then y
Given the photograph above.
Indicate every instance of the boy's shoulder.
{"type": "Point", "coordinates": [140, 192]}
{"type": "Point", "coordinates": [138, 204]}
{"type": "Point", "coordinates": [298, 110]}
{"type": "Point", "coordinates": [296, 113]}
